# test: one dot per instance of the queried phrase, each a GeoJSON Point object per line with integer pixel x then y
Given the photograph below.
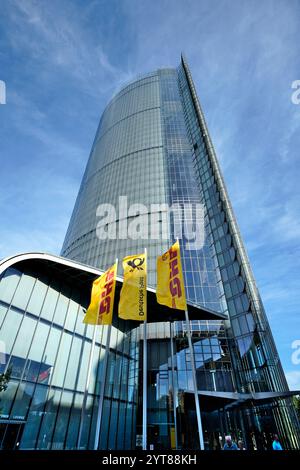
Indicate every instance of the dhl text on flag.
{"type": "Point", "coordinates": [170, 289]}
{"type": "Point", "coordinates": [100, 310]}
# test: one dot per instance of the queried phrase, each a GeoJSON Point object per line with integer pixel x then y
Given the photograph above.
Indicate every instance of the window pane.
{"type": "Point", "coordinates": [23, 291]}
{"type": "Point", "coordinates": [62, 421]}
{"type": "Point", "coordinates": [73, 429]}
{"type": "Point", "coordinates": [62, 360]}
{"type": "Point", "coordinates": [9, 328]}
{"type": "Point", "coordinates": [22, 345]}
{"type": "Point", "coordinates": [8, 284]}
{"type": "Point", "coordinates": [49, 304]}
{"type": "Point", "coordinates": [37, 297]}
{"type": "Point", "coordinates": [35, 415]}
{"type": "Point", "coordinates": [45, 435]}
{"type": "Point", "coordinates": [34, 369]}
{"type": "Point", "coordinates": [73, 368]}
{"type": "Point", "coordinates": [22, 401]}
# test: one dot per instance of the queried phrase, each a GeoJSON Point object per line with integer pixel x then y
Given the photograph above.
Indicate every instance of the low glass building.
{"type": "Point", "coordinates": [56, 378]}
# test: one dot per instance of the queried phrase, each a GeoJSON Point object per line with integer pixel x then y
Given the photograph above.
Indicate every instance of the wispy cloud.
{"type": "Point", "coordinates": [61, 43]}
{"type": "Point", "coordinates": [293, 378]}
{"type": "Point", "coordinates": [59, 76]}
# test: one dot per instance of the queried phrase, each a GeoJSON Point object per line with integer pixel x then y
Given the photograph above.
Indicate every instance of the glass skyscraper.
{"type": "Point", "coordinates": [152, 147]}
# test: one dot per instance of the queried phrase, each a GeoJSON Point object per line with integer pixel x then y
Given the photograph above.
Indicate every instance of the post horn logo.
{"type": "Point", "coordinates": [136, 263]}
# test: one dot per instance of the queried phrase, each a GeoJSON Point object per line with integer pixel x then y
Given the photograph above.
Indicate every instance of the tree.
{"type": "Point", "coordinates": [4, 379]}
{"type": "Point", "coordinates": [296, 400]}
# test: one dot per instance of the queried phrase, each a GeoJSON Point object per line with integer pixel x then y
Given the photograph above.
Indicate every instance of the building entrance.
{"type": "Point", "coordinates": [10, 435]}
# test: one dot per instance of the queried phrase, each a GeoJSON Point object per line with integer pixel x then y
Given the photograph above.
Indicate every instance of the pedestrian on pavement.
{"type": "Point", "coordinates": [241, 445]}
{"type": "Point", "coordinates": [276, 444]}
{"type": "Point", "coordinates": [229, 444]}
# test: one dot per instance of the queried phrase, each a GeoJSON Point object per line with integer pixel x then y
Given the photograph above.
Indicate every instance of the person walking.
{"type": "Point", "coordinates": [276, 444]}
{"type": "Point", "coordinates": [241, 445]}
{"type": "Point", "coordinates": [229, 444]}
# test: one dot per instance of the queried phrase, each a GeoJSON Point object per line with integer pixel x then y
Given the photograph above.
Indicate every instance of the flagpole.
{"type": "Point", "coordinates": [102, 388]}
{"type": "Point", "coordinates": [193, 364]}
{"type": "Point", "coordinates": [145, 373]}
{"type": "Point", "coordinates": [174, 391]}
{"type": "Point", "coordinates": [198, 412]}
{"type": "Point", "coordinates": [87, 384]}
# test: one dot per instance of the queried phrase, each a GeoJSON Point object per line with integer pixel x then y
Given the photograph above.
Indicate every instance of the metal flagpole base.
{"type": "Point", "coordinates": [197, 404]}
{"type": "Point", "coordinates": [101, 399]}
{"type": "Point", "coordinates": [145, 385]}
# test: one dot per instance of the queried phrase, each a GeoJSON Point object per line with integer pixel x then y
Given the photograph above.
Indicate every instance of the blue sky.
{"type": "Point", "coordinates": [61, 62]}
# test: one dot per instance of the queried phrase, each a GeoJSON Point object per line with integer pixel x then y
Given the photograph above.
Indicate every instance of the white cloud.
{"type": "Point", "coordinates": [27, 240]}
{"type": "Point", "coordinates": [287, 226]}
{"type": "Point", "coordinates": [61, 42]}
{"type": "Point", "coordinates": [286, 145]}
{"type": "Point", "coordinates": [293, 379]}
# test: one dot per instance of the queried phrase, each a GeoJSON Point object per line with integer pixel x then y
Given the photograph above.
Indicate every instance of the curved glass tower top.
{"type": "Point", "coordinates": [127, 159]}
{"type": "Point", "coordinates": [142, 154]}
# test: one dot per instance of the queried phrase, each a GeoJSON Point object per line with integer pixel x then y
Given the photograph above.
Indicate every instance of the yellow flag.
{"type": "Point", "coordinates": [133, 296]}
{"type": "Point", "coordinates": [170, 286]}
{"type": "Point", "coordinates": [100, 310]}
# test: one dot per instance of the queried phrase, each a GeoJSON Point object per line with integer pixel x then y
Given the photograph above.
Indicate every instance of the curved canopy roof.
{"type": "Point", "coordinates": [84, 275]}
{"type": "Point", "coordinates": [211, 400]}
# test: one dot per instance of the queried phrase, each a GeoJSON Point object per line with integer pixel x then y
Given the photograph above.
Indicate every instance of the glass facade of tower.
{"type": "Point", "coordinates": [153, 146]}
{"type": "Point", "coordinates": [142, 151]}
{"type": "Point", "coordinates": [127, 159]}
